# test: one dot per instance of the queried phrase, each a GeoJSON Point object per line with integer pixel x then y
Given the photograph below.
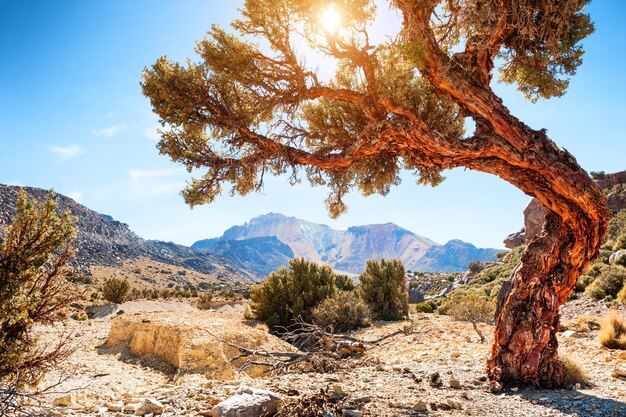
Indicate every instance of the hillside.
{"type": "Point", "coordinates": [348, 250]}
{"type": "Point", "coordinates": [103, 241]}
{"type": "Point", "coordinates": [260, 255]}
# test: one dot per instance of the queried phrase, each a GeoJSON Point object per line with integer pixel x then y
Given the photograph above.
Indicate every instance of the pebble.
{"type": "Point", "coordinates": [454, 383]}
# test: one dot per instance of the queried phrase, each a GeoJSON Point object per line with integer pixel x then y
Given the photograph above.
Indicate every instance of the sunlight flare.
{"type": "Point", "coordinates": [330, 19]}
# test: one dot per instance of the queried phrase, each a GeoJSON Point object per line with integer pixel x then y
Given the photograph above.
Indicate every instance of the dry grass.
{"type": "Point", "coordinates": [613, 331]}
{"type": "Point", "coordinates": [582, 324]}
{"type": "Point", "coordinates": [573, 374]}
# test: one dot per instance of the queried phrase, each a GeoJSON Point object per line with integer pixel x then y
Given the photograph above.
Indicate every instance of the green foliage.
{"type": "Point", "coordinates": [488, 281]}
{"type": "Point", "coordinates": [620, 243]}
{"type": "Point", "coordinates": [344, 283]}
{"type": "Point", "coordinates": [608, 282]}
{"type": "Point", "coordinates": [115, 290]}
{"type": "Point", "coordinates": [288, 294]}
{"type": "Point", "coordinates": [583, 282]}
{"type": "Point", "coordinates": [32, 284]}
{"type": "Point", "coordinates": [424, 307]}
{"type": "Point", "coordinates": [343, 311]}
{"type": "Point", "coordinates": [616, 229]}
{"type": "Point", "coordinates": [384, 289]}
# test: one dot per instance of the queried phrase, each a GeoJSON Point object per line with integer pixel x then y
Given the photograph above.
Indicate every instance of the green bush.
{"type": "Point", "coordinates": [617, 225]}
{"type": "Point", "coordinates": [424, 307]}
{"type": "Point", "coordinates": [343, 311]}
{"type": "Point", "coordinates": [114, 290]}
{"type": "Point", "coordinates": [620, 243]}
{"type": "Point", "coordinates": [33, 287]}
{"type": "Point", "coordinates": [344, 283]}
{"type": "Point", "coordinates": [384, 289]}
{"type": "Point", "coordinates": [583, 282]}
{"type": "Point", "coordinates": [290, 293]}
{"type": "Point", "coordinates": [608, 282]}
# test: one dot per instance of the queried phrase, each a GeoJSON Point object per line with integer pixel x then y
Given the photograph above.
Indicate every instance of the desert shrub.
{"type": "Point", "coordinates": [620, 243]}
{"type": "Point", "coordinates": [344, 283]}
{"type": "Point", "coordinates": [608, 283]}
{"type": "Point", "coordinates": [473, 308]}
{"type": "Point", "coordinates": [115, 290]}
{"type": "Point", "coordinates": [79, 279]}
{"type": "Point", "coordinates": [612, 332]}
{"type": "Point", "coordinates": [424, 307]}
{"type": "Point", "coordinates": [573, 373]}
{"type": "Point", "coordinates": [621, 295]}
{"type": "Point", "coordinates": [488, 281]}
{"type": "Point", "coordinates": [583, 282]}
{"type": "Point", "coordinates": [617, 228]}
{"type": "Point", "coordinates": [343, 311]}
{"type": "Point", "coordinates": [33, 287]}
{"type": "Point", "coordinates": [582, 324]}
{"type": "Point", "coordinates": [287, 294]}
{"type": "Point", "coordinates": [475, 266]}
{"type": "Point", "coordinates": [384, 289]}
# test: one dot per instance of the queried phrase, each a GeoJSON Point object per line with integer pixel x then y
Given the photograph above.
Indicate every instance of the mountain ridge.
{"type": "Point", "coordinates": [102, 240]}
{"type": "Point", "coordinates": [348, 250]}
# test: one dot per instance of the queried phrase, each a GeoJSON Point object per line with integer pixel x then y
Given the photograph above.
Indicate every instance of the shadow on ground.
{"type": "Point", "coordinates": [575, 403]}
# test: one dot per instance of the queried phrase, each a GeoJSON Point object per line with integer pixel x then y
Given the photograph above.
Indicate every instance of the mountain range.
{"type": "Point", "coordinates": [346, 251]}
{"type": "Point", "coordinates": [251, 251]}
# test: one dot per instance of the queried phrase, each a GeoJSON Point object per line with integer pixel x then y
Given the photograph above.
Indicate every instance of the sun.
{"type": "Point", "coordinates": [330, 19]}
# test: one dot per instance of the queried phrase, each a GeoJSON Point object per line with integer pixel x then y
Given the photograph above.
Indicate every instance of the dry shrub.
{"type": "Point", "coordinates": [613, 331]}
{"type": "Point", "coordinates": [115, 290]}
{"type": "Point", "coordinates": [473, 308]}
{"type": "Point", "coordinates": [315, 405]}
{"type": "Point", "coordinates": [342, 312]}
{"type": "Point", "coordinates": [573, 374]}
{"type": "Point", "coordinates": [582, 324]}
{"type": "Point", "coordinates": [621, 295]}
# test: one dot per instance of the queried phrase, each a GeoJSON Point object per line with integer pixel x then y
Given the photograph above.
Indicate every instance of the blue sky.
{"type": "Point", "coordinates": [72, 117]}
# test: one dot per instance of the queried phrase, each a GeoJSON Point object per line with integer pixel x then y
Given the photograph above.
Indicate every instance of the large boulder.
{"type": "Point", "coordinates": [617, 257]}
{"type": "Point", "coordinates": [248, 402]}
{"type": "Point", "coordinates": [194, 341]}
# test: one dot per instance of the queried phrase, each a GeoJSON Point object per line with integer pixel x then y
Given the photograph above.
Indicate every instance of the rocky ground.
{"type": "Point", "coordinates": [393, 378]}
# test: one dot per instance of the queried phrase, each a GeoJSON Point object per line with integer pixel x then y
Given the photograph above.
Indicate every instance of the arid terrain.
{"type": "Point", "coordinates": [392, 378]}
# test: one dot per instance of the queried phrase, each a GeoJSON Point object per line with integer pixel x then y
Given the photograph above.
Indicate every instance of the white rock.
{"type": "Point", "coordinates": [150, 406]}
{"type": "Point", "coordinates": [248, 402]}
{"type": "Point", "coordinates": [65, 401]}
{"type": "Point", "coordinates": [571, 333]}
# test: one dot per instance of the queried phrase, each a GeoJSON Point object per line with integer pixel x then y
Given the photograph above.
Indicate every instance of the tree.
{"type": "Point", "coordinates": [33, 288]}
{"type": "Point", "coordinates": [250, 107]}
{"type": "Point", "coordinates": [384, 289]}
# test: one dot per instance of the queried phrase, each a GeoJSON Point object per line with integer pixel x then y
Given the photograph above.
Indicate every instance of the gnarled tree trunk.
{"type": "Point", "coordinates": [525, 346]}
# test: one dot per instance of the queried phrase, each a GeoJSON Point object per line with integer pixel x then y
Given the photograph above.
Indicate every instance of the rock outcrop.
{"type": "Point", "coordinates": [193, 342]}
{"type": "Point", "coordinates": [613, 185]}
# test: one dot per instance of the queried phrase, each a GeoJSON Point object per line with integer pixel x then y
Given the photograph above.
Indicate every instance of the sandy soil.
{"type": "Point", "coordinates": [390, 380]}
